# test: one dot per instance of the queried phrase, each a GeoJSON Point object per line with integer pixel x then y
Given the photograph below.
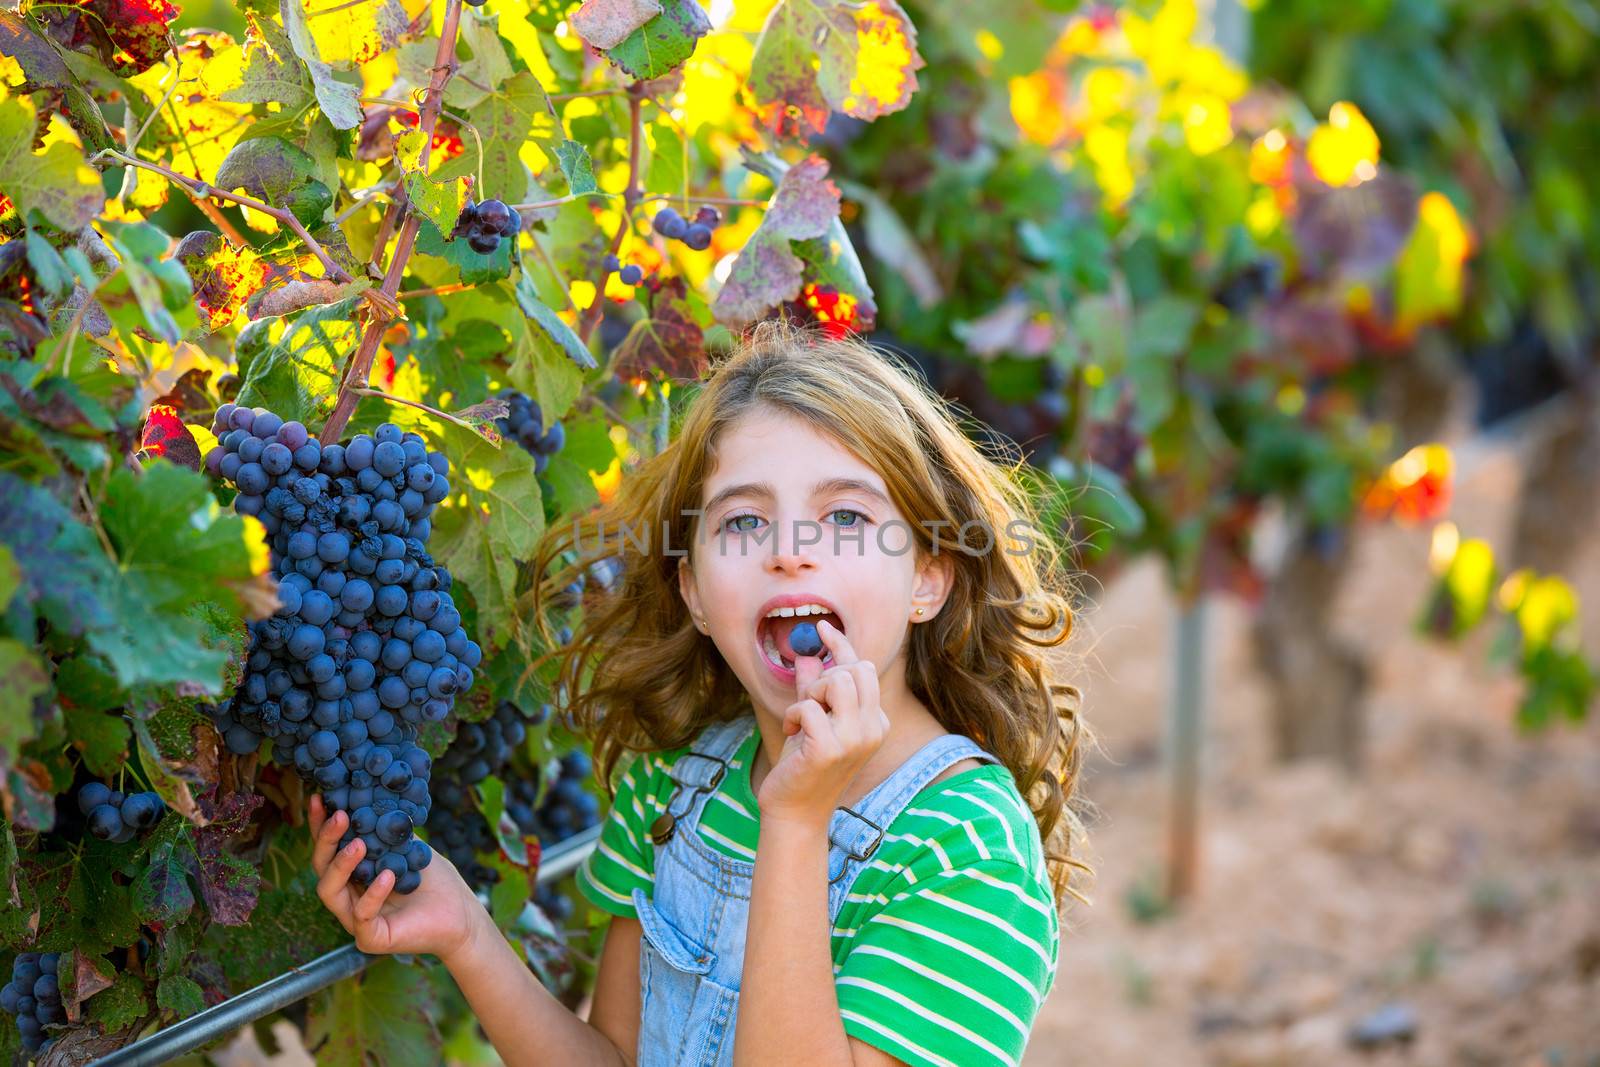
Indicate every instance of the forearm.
{"type": "Point", "coordinates": [526, 1024]}
{"type": "Point", "coordinates": [787, 999]}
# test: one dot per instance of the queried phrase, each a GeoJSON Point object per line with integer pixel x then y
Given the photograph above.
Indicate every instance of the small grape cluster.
{"type": "Point", "coordinates": [524, 423]}
{"type": "Point", "coordinates": [484, 224]}
{"type": "Point", "coordinates": [34, 996]}
{"type": "Point", "coordinates": [115, 817]}
{"type": "Point", "coordinates": [480, 749]}
{"type": "Point", "coordinates": [632, 274]}
{"type": "Point", "coordinates": [695, 234]}
{"type": "Point", "coordinates": [366, 643]}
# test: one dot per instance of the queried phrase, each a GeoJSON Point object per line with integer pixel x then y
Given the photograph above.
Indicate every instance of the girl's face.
{"type": "Point", "coordinates": [791, 517]}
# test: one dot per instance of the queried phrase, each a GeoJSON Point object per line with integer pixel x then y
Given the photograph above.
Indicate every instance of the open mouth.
{"type": "Point", "coordinates": [773, 636]}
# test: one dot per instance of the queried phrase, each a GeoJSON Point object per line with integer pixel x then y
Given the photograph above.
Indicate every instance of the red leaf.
{"type": "Point", "coordinates": [166, 435]}
{"type": "Point", "coordinates": [130, 36]}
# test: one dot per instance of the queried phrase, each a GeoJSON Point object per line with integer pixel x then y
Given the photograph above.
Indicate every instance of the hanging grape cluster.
{"type": "Point", "coordinates": [524, 424]}
{"type": "Point", "coordinates": [695, 234]}
{"type": "Point", "coordinates": [115, 817]}
{"type": "Point", "coordinates": [34, 996]}
{"type": "Point", "coordinates": [366, 643]}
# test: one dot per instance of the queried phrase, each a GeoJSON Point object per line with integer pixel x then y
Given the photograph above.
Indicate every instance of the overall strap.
{"type": "Point", "coordinates": [856, 833]}
{"type": "Point", "coordinates": [699, 771]}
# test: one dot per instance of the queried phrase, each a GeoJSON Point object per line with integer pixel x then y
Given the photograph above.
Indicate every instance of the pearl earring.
{"type": "Point", "coordinates": [919, 611]}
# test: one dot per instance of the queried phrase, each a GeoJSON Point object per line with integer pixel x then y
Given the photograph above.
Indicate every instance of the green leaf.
{"type": "Point", "coordinates": [161, 893]}
{"type": "Point", "coordinates": [298, 375]}
{"type": "Point", "coordinates": [101, 737]}
{"type": "Point", "coordinates": [577, 166]}
{"type": "Point", "coordinates": [56, 182]}
{"type": "Point", "coordinates": [505, 120]}
{"type": "Point", "coordinates": [278, 173]}
{"type": "Point", "coordinates": [382, 1016]}
{"type": "Point", "coordinates": [486, 68]}
{"type": "Point", "coordinates": [499, 523]}
{"type": "Point", "coordinates": [439, 202]}
{"type": "Point", "coordinates": [767, 272]}
{"type": "Point", "coordinates": [48, 266]}
{"type": "Point", "coordinates": [662, 44]}
{"type": "Point", "coordinates": [147, 292]}
{"type": "Point", "coordinates": [181, 996]}
{"type": "Point", "coordinates": [475, 267]}
{"type": "Point", "coordinates": [340, 101]}
{"type": "Point", "coordinates": [176, 549]}
{"type": "Point", "coordinates": [553, 326]}
{"type": "Point", "coordinates": [23, 679]}
{"type": "Point", "coordinates": [511, 892]}
{"type": "Point", "coordinates": [122, 1005]}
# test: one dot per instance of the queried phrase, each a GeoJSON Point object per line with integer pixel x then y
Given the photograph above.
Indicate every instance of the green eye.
{"type": "Point", "coordinates": [730, 520]}
{"type": "Point", "coordinates": [849, 511]}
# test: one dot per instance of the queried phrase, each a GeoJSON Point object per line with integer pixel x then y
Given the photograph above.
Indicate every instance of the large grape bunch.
{"type": "Point", "coordinates": [34, 996]}
{"type": "Point", "coordinates": [366, 643]}
{"type": "Point", "coordinates": [524, 424]}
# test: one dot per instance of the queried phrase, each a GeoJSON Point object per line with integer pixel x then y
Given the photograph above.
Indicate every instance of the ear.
{"type": "Point", "coordinates": [935, 578]}
{"type": "Point", "coordinates": [686, 587]}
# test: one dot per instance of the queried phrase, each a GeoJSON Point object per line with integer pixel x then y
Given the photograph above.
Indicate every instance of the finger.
{"type": "Point", "coordinates": [844, 652]}
{"type": "Point", "coordinates": [327, 841]}
{"type": "Point", "coordinates": [836, 689]}
{"type": "Point", "coordinates": [819, 730]}
{"type": "Point", "coordinates": [798, 714]}
{"type": "Point", "coordinates": [807, 669]}
{"type": "Point", "coordinates": [371, 902]}
{"type": "Point", "coordinates": [335, 881]}
{"type": "Point", "coordinates": [315, 814]}
{"type": "Point", "coordinates": [866, 675]}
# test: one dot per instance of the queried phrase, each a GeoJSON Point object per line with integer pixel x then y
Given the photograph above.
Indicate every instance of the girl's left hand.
{"type": "Point", "coordinates": [832, 730]}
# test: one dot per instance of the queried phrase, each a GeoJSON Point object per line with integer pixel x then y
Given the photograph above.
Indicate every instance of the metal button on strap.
{"type": "Point", "coordinates": [663, 828]}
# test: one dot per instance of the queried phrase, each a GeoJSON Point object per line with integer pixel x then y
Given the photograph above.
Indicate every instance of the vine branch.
{"type": "Point", "coordinates": [631, 195]}
{"type": "Point", "coordinates": [201, 192]}
{"type": "Point", "coordinates": [360, 364]}
{"type": "Point", "coordinates": [367, 390]}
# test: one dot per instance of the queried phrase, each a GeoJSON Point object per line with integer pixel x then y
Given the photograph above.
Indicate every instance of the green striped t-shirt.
{"type": "Point", "coordinates": [946, 944]}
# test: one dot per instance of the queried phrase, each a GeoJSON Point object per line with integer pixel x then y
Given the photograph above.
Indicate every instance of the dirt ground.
{"type": "Point", "coordinates": [1456, 883]}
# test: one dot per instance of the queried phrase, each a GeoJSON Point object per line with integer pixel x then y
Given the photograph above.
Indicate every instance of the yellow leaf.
{"type": "Point", "coordinates": [1036, 107]}
{"type": "Point", "coordinates": [1429, 274]}
{"type": "Point", "coordinates": [1207, 127]}
{"type": "Point", "coordinates": [1548, 606]}
{"type": "Point", "coordinates": [349, 33]}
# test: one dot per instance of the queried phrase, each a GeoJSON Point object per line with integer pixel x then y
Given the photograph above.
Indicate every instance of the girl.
{"type": "Point", "coordinates": [850, 857]}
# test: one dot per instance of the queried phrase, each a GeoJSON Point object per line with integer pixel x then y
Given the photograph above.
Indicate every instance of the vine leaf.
{"type": "Point", "coordinates": [480, 74]}
{"type": "Point", "coordinates": [438, 201]}
{"type": "Point", "coordinates": [44, 70]}
{"type": "Point", "coordinates": [347, 35]}
{"type": "Point", "coordinates": [298, 375]}
{"type": "Point", "coordinates": [222, 275]}
{"type": "Point", "coordinates": [505, 120]}
{"type": "Point", "coordinates": [577, 166]}
{"type": "Point", "coordinates": [552, 324]}
{"type": "Point", "coordinates": [339, 101]}
{"type": "Point", "coordinates": [129, 36]}
{"type": "Point", "coordinates": [278, 173]}
{"type": "Point", "coordinates": [667, 339]}
{"type": "Point", "coordinates": [501, 519]}
{"type": "Point", "coordinates": [261, 70]}
{"type": "Point", "coordinates": [607, 23]}
{"type": "Point", "coordinates": [475, 267]}
{"type": "Point", "coordinates": [662, 44]}
{"type": "Point", "coordinates": [56, 182]}
{"type": "Point", "coordinates": [767, 272]}
{"type": "Point", "coordinates": [385, 1016]}
{"type": "Point", "coordinates": [148, 296]}
{"type": "Point", "coordinates": [814, 56]}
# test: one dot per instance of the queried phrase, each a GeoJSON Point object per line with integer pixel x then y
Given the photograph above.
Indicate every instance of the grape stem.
{"type": "Point", "coordinates": [360, 363]}
{"type": "Point", "coordinates": [201, 191]}
{"type": "Point", "coordinates": [631, 195]}
{"type": "Point", "coordinates": [721, 201]}
{"type": "Point", "coordinates": [367, 390]}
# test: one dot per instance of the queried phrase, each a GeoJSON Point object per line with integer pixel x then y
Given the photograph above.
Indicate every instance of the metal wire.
{"type": "Point", "coordinates": [557, 862]}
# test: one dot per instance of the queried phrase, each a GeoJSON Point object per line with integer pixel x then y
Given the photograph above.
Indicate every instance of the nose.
{"type": "Point", "coordinates": [791, 554]}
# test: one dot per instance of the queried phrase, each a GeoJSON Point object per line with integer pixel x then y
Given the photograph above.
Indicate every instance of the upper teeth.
{"type": "Point", "coordinates": [800, 609]}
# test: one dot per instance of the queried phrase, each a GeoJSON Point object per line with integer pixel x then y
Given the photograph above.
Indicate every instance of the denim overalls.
{"type": "Point", "coordinates": [691, 956]}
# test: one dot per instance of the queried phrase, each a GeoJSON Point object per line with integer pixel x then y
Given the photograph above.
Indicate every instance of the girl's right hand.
{"type": "Point", "coordinates": [439, 917]}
